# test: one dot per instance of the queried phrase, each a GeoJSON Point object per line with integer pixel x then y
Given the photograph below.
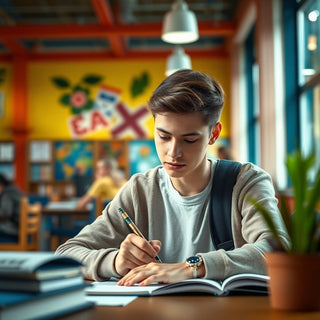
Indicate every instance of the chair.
{"type": "Point", "coordinates": [29, 228]}
{"type": "Point", "coordinates": [100, 205]}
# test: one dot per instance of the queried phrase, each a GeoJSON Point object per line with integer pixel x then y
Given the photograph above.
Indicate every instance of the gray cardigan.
{"type": "Point", "coordinates": [97, 244]}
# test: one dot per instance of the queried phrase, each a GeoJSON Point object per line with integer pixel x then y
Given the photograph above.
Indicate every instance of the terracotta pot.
{"type": "Point", "coordinates": [294, 281]}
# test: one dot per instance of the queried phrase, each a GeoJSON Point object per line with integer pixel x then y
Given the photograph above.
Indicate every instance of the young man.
{"type": "Point", "coordinates": [170, 203]}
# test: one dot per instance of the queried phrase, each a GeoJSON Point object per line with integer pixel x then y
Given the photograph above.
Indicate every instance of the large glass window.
{"type": "Point", "coordinates": [308, 31]}
{"type": "Point", "coordinates": [308, 39]}
{"type": "Point", "coordinates": [252, 98]}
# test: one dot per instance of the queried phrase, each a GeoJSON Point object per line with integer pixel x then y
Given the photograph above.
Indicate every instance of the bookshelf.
{"type": "Point", "coordinates": [64, 168]}
{"type": "Point", "coordinates": [52, 165]}
{"type": "Point", "coordinates": [7, 156]}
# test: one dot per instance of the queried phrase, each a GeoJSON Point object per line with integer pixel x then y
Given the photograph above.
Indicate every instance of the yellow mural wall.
{"type": "Point", "coordinates": [49, 118]}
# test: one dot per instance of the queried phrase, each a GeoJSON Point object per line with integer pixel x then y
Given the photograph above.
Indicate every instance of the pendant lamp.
{"type": "Point", "coordinates": [180, 24]}
{"type": "Point", "coordinates": [177, 60]}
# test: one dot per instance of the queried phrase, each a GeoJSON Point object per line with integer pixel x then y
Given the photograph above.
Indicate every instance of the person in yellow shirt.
{"type": "Point", "coordinates": [108, 181]}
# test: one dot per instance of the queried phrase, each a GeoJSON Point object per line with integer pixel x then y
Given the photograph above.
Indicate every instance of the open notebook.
{"type": "Point", "coordinates": [245, 282]}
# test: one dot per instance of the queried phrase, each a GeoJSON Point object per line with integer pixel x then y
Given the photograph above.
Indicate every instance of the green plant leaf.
{"type": "Point", "coordinates": [89, 105]}
{"type": "Point", "coordinates": [306, 198]}
{"type": "Point", "coordinates": [139, 84]}
{"type": "Point", "coordinates": [61, 82]}
{"type": "Point", "coordinates": [303, 224]}
{"type": "Point", "coordinates": [65, 99]}
{"type": "Point", "coordinates": [78, 87]}
{"type": "Point", "coordinates": [76, 111]}
{"type": "Point", "coordinates": [285, 213]}
{"type": "Point", "coordinates": [92, 79]}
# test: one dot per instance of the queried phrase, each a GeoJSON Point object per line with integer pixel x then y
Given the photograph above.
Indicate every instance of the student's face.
{"type": "Point", "coordinates": [181, 141]}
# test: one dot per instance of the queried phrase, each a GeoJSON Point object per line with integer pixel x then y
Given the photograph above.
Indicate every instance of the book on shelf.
{"type": "Point", "coordinates": [37, 265]}
{"type": "Point", "coordinates": [245, 282]}
{"type": "Point", "coordinates": [48, 305]}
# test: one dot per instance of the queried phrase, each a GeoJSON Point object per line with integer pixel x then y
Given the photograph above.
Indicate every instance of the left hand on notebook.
{"type": "Point", "coordinates": [159, 272]}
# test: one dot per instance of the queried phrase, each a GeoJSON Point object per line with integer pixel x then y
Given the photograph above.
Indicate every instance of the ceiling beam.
{"type": "Point", "coordinates": [93, 30]}
{"type": "Point", "coordinates": [14, 46]}
{"type": "Point", "coordinates": [103, 12]}
{"type": "Point", "coordinates": [150, 54]}
{"type": "Point", "coordinates": [105, 17]}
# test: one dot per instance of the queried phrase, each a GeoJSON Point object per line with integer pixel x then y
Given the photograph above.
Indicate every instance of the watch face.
{"type": "Point", "coordinates": [193, 260]}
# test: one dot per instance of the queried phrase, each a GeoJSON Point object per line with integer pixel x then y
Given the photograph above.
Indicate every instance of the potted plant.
{"type": "Point", "coordinates": [295, 270]}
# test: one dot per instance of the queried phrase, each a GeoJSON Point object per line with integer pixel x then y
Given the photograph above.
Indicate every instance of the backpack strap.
{"type": "Point", "coordinates": [225, 177]}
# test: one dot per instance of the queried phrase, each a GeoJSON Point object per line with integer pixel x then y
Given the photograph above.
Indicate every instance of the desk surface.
{"type": "Point", "coordinates": [193, 308]}
{"type": "Point", "coordinates": [65, 207]}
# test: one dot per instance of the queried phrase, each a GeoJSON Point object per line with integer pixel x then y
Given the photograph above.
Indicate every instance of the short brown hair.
{"type": "Point", "coordinates": [187, 91]}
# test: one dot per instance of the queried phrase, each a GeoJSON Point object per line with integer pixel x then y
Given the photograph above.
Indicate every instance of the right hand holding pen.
{"type": "Point", "coordinates": [135, 251]}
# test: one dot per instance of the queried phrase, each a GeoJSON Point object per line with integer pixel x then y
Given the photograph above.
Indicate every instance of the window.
{"type": "Point", "coordinates": [308, 37]}
{"type": "Point", "coordinates": [252, 98]}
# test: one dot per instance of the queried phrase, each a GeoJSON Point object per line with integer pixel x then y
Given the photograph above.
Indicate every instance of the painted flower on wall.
{"type": "Point", "coordinates": [77, 96]}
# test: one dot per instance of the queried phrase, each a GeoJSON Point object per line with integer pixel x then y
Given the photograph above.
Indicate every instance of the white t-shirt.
{"type": "Point", "coordinates": [186, 222]}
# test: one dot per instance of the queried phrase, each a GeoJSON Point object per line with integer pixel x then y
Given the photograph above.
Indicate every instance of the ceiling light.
{"type": "Point", "coordinates": [177, 61]}
{"type": "Point", "coordinates": [180, 24]}
{"type": "Point", "coordinates": [308, 72]}
{"type": "Point", "coordinates": [313, 15]}
{"type": "Point", "coordinates": [312, 42]}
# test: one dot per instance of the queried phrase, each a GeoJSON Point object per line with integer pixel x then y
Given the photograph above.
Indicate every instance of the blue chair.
{"type": "Point", "coordinates": [33, 198]}
{"type": "Point", "coordinates": [43, 200]}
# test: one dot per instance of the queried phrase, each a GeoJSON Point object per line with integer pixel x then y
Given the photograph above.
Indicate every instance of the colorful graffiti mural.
{"type": "Point", "coordinates": [106, 110]}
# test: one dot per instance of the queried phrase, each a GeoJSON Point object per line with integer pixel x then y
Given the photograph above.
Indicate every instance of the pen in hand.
{"type": "Point", "coordinates": [133, 227]}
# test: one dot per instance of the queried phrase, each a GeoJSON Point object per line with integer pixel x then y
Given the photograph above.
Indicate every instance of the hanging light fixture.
{"type": "Point", "coordinates": [180, 24]}
{"type": "Point", "coordinates": [177, 60]}
{"type": "Point", "coordinates": [312, 42]}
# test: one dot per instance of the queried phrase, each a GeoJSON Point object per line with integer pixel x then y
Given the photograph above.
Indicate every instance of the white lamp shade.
{"type": "Point", "coordinates": [180, 25]}
{"type": "Point", "coordinates": [177, 61]}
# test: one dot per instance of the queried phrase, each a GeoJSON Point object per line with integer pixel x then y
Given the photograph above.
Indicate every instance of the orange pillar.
{"type": "Point", "coordinates": [20, 128]}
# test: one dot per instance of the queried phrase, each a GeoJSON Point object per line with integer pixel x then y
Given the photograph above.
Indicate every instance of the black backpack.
{"type": "Point", "coordinates": [225, 177]}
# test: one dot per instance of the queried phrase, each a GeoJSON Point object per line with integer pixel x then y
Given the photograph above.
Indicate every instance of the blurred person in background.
{"type": "Point", "coordinates": [108, 180]}
{"type": "Point", "coordinates": [10, 198]}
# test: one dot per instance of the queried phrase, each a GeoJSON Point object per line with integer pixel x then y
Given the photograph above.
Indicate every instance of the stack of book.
{"type": "Point", "coordinates": [40, 285]}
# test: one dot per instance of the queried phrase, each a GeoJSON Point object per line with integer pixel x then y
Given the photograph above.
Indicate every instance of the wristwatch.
{"type": "Point", "coordinates": [194, 262]}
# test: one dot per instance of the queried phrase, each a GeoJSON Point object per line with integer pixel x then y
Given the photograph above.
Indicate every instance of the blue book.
{"type": "Point", "coordinates": [37, 265]}
{"type": "Point", "coordinates": [36, 285]}
{"type": "Point", "coordinates": [48, 305]}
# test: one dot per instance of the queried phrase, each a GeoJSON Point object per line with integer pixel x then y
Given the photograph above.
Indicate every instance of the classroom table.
{"type": "Point", "coordinates": [62, 212]}
{"type": "Point", "coordinates": [193, 307]}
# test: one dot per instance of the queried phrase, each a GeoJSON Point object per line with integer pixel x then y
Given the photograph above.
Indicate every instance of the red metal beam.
{"type": "Point", "coordinates": [20, 126]}
{"type": "Point", "coordinates": [103, 12]}
{"type": "Point", "coordinates": [117, 46]}
{"type": "Point", "coordinates": [150, 54]}
{"type": "Point", "coordinates": [105, 17]}
{"type": "Point", "coordinates": [14, 46]}
{"type": "Point", "coordinates": [93, 30]}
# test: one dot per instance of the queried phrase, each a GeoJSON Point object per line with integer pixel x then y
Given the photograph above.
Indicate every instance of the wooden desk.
{"type": "Point", "coordinates": [65, 207]}
{"type": "Point", "coordinates": [193, 308]}
{"type": "Point", "coordinates": [63, 212]}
